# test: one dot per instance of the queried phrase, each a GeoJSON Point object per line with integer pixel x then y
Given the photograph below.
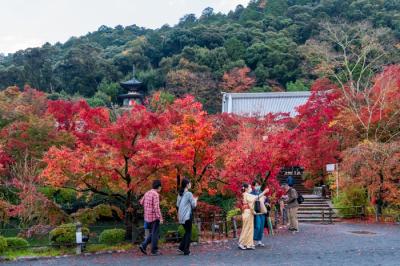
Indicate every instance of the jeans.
{"type": "Point", "coordinates": [284, 216]}
{"type": "Point", "coordinates": [153, 236]}
{"type": "Point", "coordinates": [259, 221]}
{"type": "Point", "coordinates": [185, 243]}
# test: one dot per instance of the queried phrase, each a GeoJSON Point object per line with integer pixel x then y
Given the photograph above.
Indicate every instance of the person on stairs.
{"type": "Point", "coordinates": [290, 181]}
{"type": "Point", "coordinates": [292, 206]}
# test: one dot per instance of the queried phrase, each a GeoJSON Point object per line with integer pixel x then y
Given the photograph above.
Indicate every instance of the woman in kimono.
{"type": "Point", "coordinates": [259, 220]}
{"type": "Point", "coordinates": [246, 236]}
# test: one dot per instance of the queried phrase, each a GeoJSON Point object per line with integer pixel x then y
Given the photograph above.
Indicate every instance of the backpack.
{"type": "Point", "coordinates": [300, 198]}
{"type": "Point", "coordinates": [257, 205]}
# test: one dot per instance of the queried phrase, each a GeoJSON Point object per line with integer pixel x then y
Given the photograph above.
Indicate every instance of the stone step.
{"type": "Point", "coordinates": [315, 209]}
{"type": "Point", "coordinates": [313, 212]}
{"type": "Point", "coordinates": [314, 199]}
{"type": "Point", "coordinates": [317, 221]}
{"type": "Point", "coordinates": [317, 218]}
{"type": "Point", "coordinates": [314, 204]}
{"type": "Point", "coordinates": [313, 216]}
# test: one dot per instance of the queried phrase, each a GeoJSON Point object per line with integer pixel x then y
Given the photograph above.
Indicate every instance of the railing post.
{"type": "Point", "coordinates": [198, 223]}
{"type": "Point", "coordinates": [323, 216]}
{"type": "Point", "coordinates": [330, 216]}
{"type": "Point", "coordinates": [226, 226]}
{"type": "Point", "coordinates": [213, 227]}
{"type": "Point", "coordinates": [363, 213]}
{"type": "Point", "coordinates": [234, 227]}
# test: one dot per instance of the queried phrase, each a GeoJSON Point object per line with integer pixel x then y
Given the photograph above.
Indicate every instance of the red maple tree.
{"type": "Point", "coordinates": [119, 162]}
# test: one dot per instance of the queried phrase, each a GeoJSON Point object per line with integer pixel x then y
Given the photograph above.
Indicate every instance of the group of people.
{"type": "Point", "coordinates": [185, 203]}
{"type": "Point", "coordinates": [255, 209]}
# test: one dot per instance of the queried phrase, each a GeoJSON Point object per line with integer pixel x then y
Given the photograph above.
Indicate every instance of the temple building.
{"type": "Point", "coordinates": [260, 104]}
{"type": "Point", "coordinates": [135, 92]}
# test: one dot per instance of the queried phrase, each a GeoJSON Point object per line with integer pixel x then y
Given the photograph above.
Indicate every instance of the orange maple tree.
{"type": "Point", "coordinates": [237, 80]}
{"type": "Point", "coordinates": [191, 133]}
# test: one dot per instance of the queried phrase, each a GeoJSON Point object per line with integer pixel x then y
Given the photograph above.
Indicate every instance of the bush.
{"type": "Point", "coordinates": [17, 242]}
{"type": "Point", "coordinates": [64, 235]}
{"type": "Point", "coordinates": [195, 232]}
{"type": "Point", "coordinates": [351, 196]}
{"type": "Point", "coordinates": [232, 213]}
{"type": "Point", "coordinates": [3, 244]}
{"type": "Point", "coordinates": [112, 236]}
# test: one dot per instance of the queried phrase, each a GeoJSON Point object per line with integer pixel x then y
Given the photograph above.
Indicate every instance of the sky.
{"type": "Point", "coordinates": [31, 23]}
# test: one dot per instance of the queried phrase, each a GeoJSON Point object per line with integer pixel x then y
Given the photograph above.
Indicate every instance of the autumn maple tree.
{"type": "Point", "coordinates": [256, 153]}
{"type": "Point", "coordinates": [119, 162]}
{"type": "Point", "coordinates": [191, 133]}
{"type": "Point", "coordinates": [237, 80]}
{"type": "Point", "coordinates": [374, 166]}
{"type": "Point", "coordinates": [315, 132]}
{"type": "Point", "coordinates": [26, 135]}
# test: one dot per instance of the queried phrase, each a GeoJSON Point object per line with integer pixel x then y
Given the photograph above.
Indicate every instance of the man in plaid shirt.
{"type": "Point", "coordinates": [152, 216]}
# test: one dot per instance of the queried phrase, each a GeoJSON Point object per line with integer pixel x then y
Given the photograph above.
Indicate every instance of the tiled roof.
{"type": "Point", "coordinates": [260, 104]}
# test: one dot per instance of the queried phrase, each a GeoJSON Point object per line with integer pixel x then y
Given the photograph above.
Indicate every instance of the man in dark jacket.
{"type": "Point", "coordinates": [292, 206]}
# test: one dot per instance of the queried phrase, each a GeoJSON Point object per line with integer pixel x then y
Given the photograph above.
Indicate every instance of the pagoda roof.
{"type": "Point", "coordinates": [132, 83]}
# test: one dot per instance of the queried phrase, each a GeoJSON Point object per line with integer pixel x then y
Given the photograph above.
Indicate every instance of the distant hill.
{"type": "Point", "coordinates": [193, 55]}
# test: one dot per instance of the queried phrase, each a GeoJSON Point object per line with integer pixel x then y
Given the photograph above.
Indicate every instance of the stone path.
{"type": "Point", "coordinates": [315, 244]}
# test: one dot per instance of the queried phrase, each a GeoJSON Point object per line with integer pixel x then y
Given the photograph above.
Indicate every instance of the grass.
{"type": "Point", "coordinates": [102, 247]}
{"type": "Point", "coordinates": [52, 251]}
{"type": "Point", "coordinates": [36, 252]}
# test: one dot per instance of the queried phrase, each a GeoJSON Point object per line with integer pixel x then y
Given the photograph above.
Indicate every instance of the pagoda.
{"type": "Point", "coordinates": [135, 91]}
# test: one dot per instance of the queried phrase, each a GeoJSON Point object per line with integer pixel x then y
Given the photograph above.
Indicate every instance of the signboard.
{"type": "Point", "coordinates": [79, 237]}
{"type": "Point", "coordinates": [330, 167]}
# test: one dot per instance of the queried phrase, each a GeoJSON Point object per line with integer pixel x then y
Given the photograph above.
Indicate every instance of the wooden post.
{"type": "Point", "coordinates": [198, 223]}
{"type": "Point", "coordinates": [226, 225]}
{"type": "Point", "coordinates": [213, 227]}
{"type": "Point", "coordinates": [234, 227]}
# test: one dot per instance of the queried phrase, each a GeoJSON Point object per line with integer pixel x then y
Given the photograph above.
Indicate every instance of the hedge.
{"type": "Point", "coordinates": [65, 234]}
{"type": "Point", "coordinates": [17, 242]}
{"type": "Point", "coordinates": [3, 244]}
{"type": "Point", "coordinates": [112, 236]}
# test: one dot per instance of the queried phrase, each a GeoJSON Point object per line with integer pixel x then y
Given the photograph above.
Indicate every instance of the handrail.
{"type": "Point", "coordinates": [329, 220]}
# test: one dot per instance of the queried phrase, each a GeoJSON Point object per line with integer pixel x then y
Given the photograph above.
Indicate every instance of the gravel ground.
{"type": "Point", "coordinates": [315, 244]}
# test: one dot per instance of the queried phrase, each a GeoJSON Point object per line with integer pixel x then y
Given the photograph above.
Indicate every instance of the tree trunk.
{"type": "Point", "coordinates": [178, 181]}
{"type": "Point", "coordinates": [379, 200]}
{"type": "Point", "coordinates": [128, 216]}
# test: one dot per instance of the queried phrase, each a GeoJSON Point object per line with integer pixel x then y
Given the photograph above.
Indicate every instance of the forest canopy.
{"type": "Point", "coordinates": [266, 40]}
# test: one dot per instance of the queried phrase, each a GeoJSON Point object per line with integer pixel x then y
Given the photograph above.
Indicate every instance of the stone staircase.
{"type": "Point", "coordinates": [310, 211]}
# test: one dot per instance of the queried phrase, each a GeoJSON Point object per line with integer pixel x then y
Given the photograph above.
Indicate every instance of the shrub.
{"type": "Point", "coordinates": [17, 242]}
{"type": "Point", "coordinates": [195, 232]}
{"type": "Point", "coordinates": [232, 213]}
{"type": "Point", "coordinates": [112, 236]}
{"type": "Point", "coordinates": [351, 196]}
{"type": "Point", "coordinates": [64, 235]}
{"type": "Point", "coordinates": [3, 244]}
